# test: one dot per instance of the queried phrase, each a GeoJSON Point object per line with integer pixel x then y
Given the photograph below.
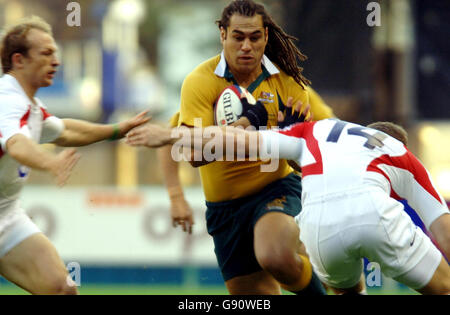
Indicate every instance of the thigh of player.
{"type": "Point", "coordinates": [328, 252]}
{"type": "Point", "coordinates": [31, 261]}
{"type": "Point", "coordinates": [275, 231]}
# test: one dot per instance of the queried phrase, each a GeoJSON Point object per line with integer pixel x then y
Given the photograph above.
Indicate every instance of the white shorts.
{"type": "Point", "coordinates": [339, 230]}
{"type": "Point", "coordinates": [15, 226]}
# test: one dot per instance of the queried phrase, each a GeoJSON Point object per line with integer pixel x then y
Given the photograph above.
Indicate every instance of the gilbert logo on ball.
{"type": "Point", "coordinates": [228, 106]}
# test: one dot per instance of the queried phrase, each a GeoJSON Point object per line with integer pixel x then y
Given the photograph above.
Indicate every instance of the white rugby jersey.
{"type": "Point", "coordinates": [337, 156]}
{"type": "Point", "coordinates": [19, 115]}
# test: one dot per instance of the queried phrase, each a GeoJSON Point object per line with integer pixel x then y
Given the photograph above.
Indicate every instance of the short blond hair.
{"type": "Point", "coordinates": [15, 40]}
{"type": "Point", "coordinates": [391, 129]}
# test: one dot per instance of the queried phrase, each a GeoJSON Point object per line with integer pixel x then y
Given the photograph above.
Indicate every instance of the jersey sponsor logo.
{"type": "Point", "coordinates": [276, 204]}
{"type": "Point", "coordinates": [23, 171]}
{"type": "Point", "coordinates": [266, 97]}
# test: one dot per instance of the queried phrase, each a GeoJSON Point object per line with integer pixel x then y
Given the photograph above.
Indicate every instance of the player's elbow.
{"type": "Point", "coordinates": [61, 141]}
{"type": "Point", "coordinates": [14, 146]}
{"type": "Point", "coordinates": [440, 229]}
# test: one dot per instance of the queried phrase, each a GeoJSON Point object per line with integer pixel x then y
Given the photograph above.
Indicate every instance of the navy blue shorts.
{"type": "Point", "coordinates": [231, 223]}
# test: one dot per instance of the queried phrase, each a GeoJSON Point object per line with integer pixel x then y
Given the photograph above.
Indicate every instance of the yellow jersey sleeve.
{"type": "Point", "coordinates": [319, 108]}
{"type": "Point", "coordinates": [173, 122]}
{"type": "Point", "coordinates": [197, 100]}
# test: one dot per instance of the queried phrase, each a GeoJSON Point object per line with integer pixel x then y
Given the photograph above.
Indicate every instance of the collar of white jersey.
{"type": "Point", "coordinates": [16, 85]}
{"type": "Point", "coordinates": [222, 66]}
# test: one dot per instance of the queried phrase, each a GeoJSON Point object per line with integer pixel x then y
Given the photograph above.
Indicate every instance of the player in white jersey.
{"type": "Point", "coordinates": [352, 176]}
{"type": "Point", "coordinates": [27, 257]}
{"type": "Point", "coordinates": [352, 179]}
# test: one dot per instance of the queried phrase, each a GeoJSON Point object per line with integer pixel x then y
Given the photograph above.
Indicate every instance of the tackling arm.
{"type": "Point", "coordinates": [241, 122]}
{"type": "Point", "coordinates": [79, 133]}
{"type": "Point", "coordinates": [266, 144]}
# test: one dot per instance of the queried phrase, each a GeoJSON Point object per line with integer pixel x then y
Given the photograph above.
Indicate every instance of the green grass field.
{"type": "Point", "coordinates": [130, 290]}
{"type": "Point", "coordinates": [7, 289]}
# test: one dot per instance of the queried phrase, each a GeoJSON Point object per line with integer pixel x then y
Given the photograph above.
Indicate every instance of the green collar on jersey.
{"type": "Point", "coordinates": [252, 87]}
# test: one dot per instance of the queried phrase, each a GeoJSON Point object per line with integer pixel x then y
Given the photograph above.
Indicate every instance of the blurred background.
{"type": "Point", "coordinates": [125, 56]}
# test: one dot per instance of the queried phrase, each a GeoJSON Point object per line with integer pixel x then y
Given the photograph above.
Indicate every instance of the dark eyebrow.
{"type": "Point", "coordinates": [242, 33]}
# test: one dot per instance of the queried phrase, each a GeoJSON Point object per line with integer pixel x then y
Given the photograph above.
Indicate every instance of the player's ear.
{"type": "Point", "coordinates": [17, 60]}
{"type": "Point", "coordinates": [223, 34]}
{"type": "Point", "coordinates": [266, 34]}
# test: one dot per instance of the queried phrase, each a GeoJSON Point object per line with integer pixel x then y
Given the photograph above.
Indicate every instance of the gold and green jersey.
{"type": "Point", "coordinates": [173, 122]}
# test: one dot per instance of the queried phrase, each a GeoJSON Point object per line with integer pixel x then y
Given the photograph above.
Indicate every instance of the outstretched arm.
{"type": "Point", "coordinates": [265, 144]}
{"type": "Point", "coordinates": [79, 133]}
{"type": "Point", "coordinates": [252, 115]}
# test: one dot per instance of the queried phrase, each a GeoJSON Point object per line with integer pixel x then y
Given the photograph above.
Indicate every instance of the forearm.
{"type": "Point", "coordinates": [29, 153]}
{"type": "Point", "coordinates": [170, 172]}
{"type": "Point", "coordinates": [232, 142]}
{"type": "Point", "coordinates": [80, 133]}
{"type": "Point", "coordinates": [169, 167]}
{"type": "Point", "coordinates": [440, 229]}
{"type": "Point", "coordinates": [192, 140]}
{"type": "Point", "coordinates": [192, 157]}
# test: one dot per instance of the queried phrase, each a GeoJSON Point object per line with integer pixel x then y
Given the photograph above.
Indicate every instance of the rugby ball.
{"type": "Point", "coordinates": [228, 106]}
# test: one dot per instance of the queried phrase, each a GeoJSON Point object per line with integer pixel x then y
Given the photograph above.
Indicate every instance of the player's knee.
{"type": "Point", "coordinates": [281, 263]}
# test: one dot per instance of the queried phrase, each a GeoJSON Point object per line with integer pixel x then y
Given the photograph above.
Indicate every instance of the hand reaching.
{"type": "Point", "coordinates": [150, 135]}
{"type": "Point", "coordinates": [61, 167]}
{"type": "Point", "coordinates": [290, 117]}
{"type": "Point", "coordinates": [133, 122]}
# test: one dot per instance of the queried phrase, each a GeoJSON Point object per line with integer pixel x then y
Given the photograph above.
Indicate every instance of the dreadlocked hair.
{"type": "Point", "coordinates": [280, 46]}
